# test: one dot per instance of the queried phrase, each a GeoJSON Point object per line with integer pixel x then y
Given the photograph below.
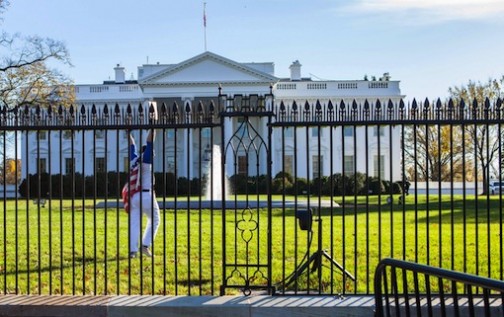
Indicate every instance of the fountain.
{"type": "Point", "coordinates": [213, 188]}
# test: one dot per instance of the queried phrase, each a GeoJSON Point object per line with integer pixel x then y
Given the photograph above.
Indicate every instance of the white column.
{"type": "Point", "coordinates": [191, 154]}
{"type": "Point", "coordinates": [228, 132]}
{"type": "Point", "coordinates": [263, 165]}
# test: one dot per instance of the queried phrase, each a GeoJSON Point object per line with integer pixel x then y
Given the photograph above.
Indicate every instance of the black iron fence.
{"type": "Point", "coordinates": [256, 194]}
{"type": "Point", "coordinates": [405, 288]}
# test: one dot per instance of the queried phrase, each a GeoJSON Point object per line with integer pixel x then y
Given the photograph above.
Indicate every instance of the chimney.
{"type": "Point", "coordinates": [120, 75]}
{"type": "Point", "coordinates": [295, 70]}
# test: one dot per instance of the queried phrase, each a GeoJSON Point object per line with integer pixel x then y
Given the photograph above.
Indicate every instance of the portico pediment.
{"type": "Point", "coordinates": [207, 68]}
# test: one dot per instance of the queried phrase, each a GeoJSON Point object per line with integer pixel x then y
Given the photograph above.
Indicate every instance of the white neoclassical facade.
{"type": "Point", "coordinates": [197, 79]}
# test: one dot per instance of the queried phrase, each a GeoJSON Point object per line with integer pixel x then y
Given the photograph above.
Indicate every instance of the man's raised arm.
{"type": "Point", "coordinates": [151, 136]}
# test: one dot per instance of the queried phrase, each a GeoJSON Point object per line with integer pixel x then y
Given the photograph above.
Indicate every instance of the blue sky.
{"type": "Point", "coordinates": [429, 45]}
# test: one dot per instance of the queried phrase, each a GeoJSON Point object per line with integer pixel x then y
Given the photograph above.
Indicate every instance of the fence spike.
{"type": "Point", "coordinates": [151, 111]}
{"type": "Point", "coordinates": [354, 104]}
{"type": "Point", "coordinates": [461, 108]}
{"type": "Point", "coordinates": [306, 106]}
{"type": "Point", "coordinates": [211, 108]}
{"type": "Point", "coordinates": [378, 105]}
{"type": "Point", "coordinates": [175, 108]}
{"type": "Point", "coordinates": [366, 105]}
{"type": "Point", "coordinates": [105, 110]}
{"type": "Point", "coordinates": [487, 103]}
{"type": "Point", "coordinates": [474, 108]}
{"type": "Point", "coordinates": [450, 104]}
{"type": "Point", "coordinates": [282, 107]}
{"type": "Point", "coordinates": [401, 109]}
{"type": "Point", "coordinates": [294, 107]}
{"type": "Point", "coordinates": [498, 107]}
{"type": "Point", "coordinates": [439, 109]}
{"type": "Point", "coordinates": [261, 104]}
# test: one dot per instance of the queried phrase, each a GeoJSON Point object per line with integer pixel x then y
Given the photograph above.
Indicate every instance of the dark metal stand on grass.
{"type": "Point", "coordinates": [305, 218]}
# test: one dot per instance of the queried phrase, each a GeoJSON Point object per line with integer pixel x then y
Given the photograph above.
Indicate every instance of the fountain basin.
{"type": "Point", "coordinates": [227, 204]}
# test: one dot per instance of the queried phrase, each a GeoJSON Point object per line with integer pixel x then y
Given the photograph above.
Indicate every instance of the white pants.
{"type": "Point", "coordinates": [150, 207]}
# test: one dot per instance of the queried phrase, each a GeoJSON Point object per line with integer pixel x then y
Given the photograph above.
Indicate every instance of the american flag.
{"type": "Point", "coordinates": [204, 14]}
{"type": "Point", "coordinates": [132, 187]}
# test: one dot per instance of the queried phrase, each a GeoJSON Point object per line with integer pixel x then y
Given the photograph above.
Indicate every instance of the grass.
{"type": "Point", "coordinates": [74, 248]}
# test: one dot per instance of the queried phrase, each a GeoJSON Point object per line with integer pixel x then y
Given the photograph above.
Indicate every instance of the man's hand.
{"type": "Point", "coordinates": [151, 135]}
{"type": "Point", "coordinates": [131, 140]}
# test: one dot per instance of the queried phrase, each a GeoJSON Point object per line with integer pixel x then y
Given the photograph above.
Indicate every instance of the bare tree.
{"type": "Point", "coordinates": [434, 153]}
{"type": "Point", "coordinates": [25, 76]}
{"type": "Point", "coordinates": [483, 140]}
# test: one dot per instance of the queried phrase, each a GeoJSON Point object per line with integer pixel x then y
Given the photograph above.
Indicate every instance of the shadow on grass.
{"type": "Point", "coordinates": [77, 262]}
{"type": "Point", "coordinates": [456, 210]}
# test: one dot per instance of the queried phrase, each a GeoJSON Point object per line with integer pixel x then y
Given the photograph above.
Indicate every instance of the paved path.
{"type": "Point", "coordinates": [181, 306]}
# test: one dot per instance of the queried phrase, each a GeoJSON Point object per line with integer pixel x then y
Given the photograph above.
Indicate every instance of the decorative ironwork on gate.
{"type": "Point", "coordinates": [247, 235]}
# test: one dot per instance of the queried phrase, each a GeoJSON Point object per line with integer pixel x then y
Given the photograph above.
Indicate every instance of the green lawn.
{"type": "Point", "coordinates": [66, 248]}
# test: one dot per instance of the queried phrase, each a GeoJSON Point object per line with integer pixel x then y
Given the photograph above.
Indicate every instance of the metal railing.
{"type": "Point", "coordinates": [404, 288]}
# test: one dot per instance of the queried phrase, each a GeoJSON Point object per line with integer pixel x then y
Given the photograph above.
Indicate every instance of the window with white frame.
{"type": "Point", "coordinates": [317, 167]}
{"type": "Point", "coordinates": [170, 133]}
{"type": "Point", "coordinates": [42, 135]}
{"type": "Point", "coordinates": [205, 133]}
{"type": "Point", "coordinates": [170, 161]}
{"type": "Point", "coordinates": [379, 166]}
{"type": "Point", "coordinates": [42, 165]}
{"type": "Point", "coordinates": [67, 134]}
{"type": "Point", "coordinates": [242, 165]}
{"type": "Point", "coordinates": [100, 134]}
{"type": "Point", "coordinates": [348, 131]}
{"type": "Point", "coordinates": [288, 164]}
{"type": "Point", "coordinates": [289, 132]}
{"type": "Point", "coordinates": [315, 131]}
{"type": "Point", "coordinates": [69, 165]}
{"type": "Point", "coordinates": [376, 129]}
{"type": "Point", "coordinates": [349, 164]}
{"type": "Point", "coordinates": [100, 165]}
{"type": "Point", "coordinates": [126, 164]}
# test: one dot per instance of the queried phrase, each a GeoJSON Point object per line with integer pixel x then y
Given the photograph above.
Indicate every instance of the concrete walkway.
{"type": "Point", "coordinates": [181, 306]}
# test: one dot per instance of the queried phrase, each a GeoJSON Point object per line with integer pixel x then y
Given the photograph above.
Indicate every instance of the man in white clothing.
{"type": "Point", "coordinates": [143, 201]}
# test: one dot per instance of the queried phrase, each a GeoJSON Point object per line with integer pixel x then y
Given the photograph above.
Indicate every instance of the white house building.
{"type": "Point", "coordinates": [197, 79]}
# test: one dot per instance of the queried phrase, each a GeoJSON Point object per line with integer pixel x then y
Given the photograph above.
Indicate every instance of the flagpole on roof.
{"type": "Point", "coordinates": [204, 23]}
